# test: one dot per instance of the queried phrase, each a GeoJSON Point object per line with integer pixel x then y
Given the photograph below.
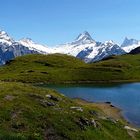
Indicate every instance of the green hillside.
{"type": "Point", "coordinates": [35, 113]}
{"type": "Point", "coordinates": [58, 68]}
{"type": "Point", "coordinates": [31, 113]}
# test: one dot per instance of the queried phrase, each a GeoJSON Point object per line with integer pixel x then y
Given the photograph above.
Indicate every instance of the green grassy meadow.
{"type": "Point", "coordinates": [35, 113]}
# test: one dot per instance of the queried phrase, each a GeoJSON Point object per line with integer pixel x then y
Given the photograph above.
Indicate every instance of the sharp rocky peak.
{"type": "Point", "coordinates": [27, 40]}
{"type": "Point", "coordinates": [5, 36]}
{"type": "Point", "coordinates": [83, 38]}
{"type": "Point", "coordinates": [128, 42]}
{"type": "Point", "coordinates": [110, 42]}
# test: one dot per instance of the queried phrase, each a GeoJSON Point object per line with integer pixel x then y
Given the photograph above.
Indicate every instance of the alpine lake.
{"type": "Point", "coordinates": [123, 96]}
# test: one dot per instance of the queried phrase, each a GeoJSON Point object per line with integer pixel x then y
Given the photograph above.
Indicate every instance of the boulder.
{"type": "Point", "coordinates": [46, 103]}
{"type": "Point", "coordinates": [84, 122]}
{"type": "Point", "coordinates": [52, 97]}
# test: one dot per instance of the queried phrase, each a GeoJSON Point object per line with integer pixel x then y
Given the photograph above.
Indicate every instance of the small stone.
{"type": "Point", "coordinates": [108, 102]}
{"type": "Point", "coordinates": [112, 105]}
{"type": "Point", "coordinates": [50, 104]}
{"type": "Point", "coordinates": [112, 120]}
{"type": "Point", "coordinates": [93, 112]}
{"type": "Point", "coordinates": [130, 128]}
{"type": "Point", "coordinates": [46, 103]}
{"type": "Point", "coordinates": [103, 117]}
{"type": "Point", "coordinates": [77, 108]}
{"type": "Point", "coordinates": [62, 94]}
{"type": "Point", "coordinates": [48, 96]}
{"type": "Point", "coordinates": [84, 121]}
{"type": "Point", "coordinates": [93, 123]}
{"type": "Point", "coordinates": [52, 97]}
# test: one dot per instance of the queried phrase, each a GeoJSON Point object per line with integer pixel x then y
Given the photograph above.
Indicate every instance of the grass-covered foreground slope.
{"type": "Point", "coordinates": [58, 68]}
{"type": "Point", "coordinates": [31, 113]}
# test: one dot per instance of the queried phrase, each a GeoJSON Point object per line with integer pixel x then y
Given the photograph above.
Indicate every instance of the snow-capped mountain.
{"type": "Point", "coordinates": [99, 51]}
{"type": "Point", "coordinates": [5, 39]}
{"type": "Point", "coordinates": [83, 38]}
{"type": "Point", "coordinates": [107, 49]}
{"type": "Point", "coordinates": [83, 41]}
{"type": "Point", "coordinates": [87, 49]}
{"type": "Point", "coordinates": [83, 47]}
{"type": "Point", "coordinates": [9, 48]}
{"type": "Point", "coordinates": [130, 44]}
{"type": "Point", "coordinates": [33, 46]}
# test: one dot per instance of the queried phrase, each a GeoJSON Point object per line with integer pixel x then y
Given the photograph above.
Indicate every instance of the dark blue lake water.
{"type": "Point", "coordinates": [124, 96]}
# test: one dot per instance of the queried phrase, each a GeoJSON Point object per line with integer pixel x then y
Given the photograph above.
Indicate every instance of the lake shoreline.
{"type": "Point", "coordinates": [106, 104]}
{"type": "Point", "coordinates": [109, 109]}
{"type": "Point", "coordinates": [87, 82]}
{"type": "Point", "coordinates": [106, 107]}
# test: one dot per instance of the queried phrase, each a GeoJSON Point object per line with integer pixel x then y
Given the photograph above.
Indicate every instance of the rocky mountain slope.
{"type": "Point", "coordinates": [89, 50]}
{"type": "Point", "coordinates": [135, 51]}
{"type": "Point", "coordinates": [9, 48]}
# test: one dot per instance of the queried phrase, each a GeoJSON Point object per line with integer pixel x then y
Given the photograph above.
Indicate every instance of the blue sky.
{"type": "Point", "coordinates": [57, 21]}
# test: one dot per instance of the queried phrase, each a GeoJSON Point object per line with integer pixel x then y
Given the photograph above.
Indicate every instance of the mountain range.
{"type": "Point", "coordinates": [83, 47]}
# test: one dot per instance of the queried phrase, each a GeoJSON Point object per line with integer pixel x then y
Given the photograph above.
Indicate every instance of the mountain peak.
{"type": "Point", "coordinates": [27, 40]}
{"type": "Point", "coordinates": [126, 38]}
{"type": "Point", "coordinates": [2, 32]}
{"type": "Point", "coordinates": [128, 42]}
{"type": "Point", "coordinates": [110, 42]}
{"type": "Point", "coordinates": [85, 33]}
{"type": "Point", "coordinates": [5, 37]}
{"type": "Point", "coordinates": [83, 38]}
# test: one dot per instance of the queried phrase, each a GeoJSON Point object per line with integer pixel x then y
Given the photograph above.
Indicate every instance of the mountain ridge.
{"type": "Point", "coordinates": [83, 47]}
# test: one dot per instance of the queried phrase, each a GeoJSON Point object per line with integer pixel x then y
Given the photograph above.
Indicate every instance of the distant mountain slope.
{"type": "Point", "coordinates": [135, 51]}
{"type": "Point", "coordinates": [83, 47]}
{"type": "Point", "coordinates": [59, 68]}
{"type": "Point", "coordinates": [87, 49]}
{"type": "Point", "coordinates": [9, 48]}
{"type": "Point", "coordinates": [130, 44]}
